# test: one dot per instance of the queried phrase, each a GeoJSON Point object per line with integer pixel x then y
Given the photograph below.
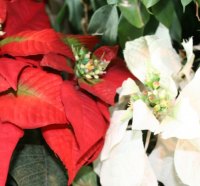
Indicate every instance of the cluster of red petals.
{"type": "Point", "coordinates": [72, 114]}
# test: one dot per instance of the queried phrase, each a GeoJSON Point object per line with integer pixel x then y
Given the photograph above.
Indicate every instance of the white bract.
{"type": "Point", "coordinates": [164, 100]}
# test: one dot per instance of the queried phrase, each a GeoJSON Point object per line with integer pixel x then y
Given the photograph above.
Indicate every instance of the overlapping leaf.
{"type": "Point", "coordinates": [34, 42]}
{"type": "Point", "coordinates": [9, 137]}
{"type": "Point", "coordinates": [106, 88]}
{"type": "Point", "coordinates": [37, 100]}
{"type": "Point", "coordinates": [106, 53]}
{"type": "Point", "coordinates": [29, 15]}
{"type": "Point", "coordinates": [57, 62]}
{"type": "Point", "coordinates": [35, 165]}
{"type": "Point", "coordinates": [10, 70]}
{"type": "Point", "coordinates": [83, 114]}
{"type": "Point", "coordinates": [87, 41]}
{"type": "Point", "coordinates": [63, 143]}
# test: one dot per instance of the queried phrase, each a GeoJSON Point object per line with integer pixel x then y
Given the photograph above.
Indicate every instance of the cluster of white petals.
{"type": "Point", "coordinates": [175, 161]}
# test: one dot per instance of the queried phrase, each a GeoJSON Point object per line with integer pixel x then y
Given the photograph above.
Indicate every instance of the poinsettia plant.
{"type": "Point", "coordinates": [164, 100]}
{"type": "Point", "coordinates": [61, 84]}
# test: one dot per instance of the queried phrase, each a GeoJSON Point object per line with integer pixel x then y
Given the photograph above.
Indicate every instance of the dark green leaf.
{"type": "Point", "coordinates": [164, 11]}
{"type": "Point", "coordinates": [105, 22]}
{"type": "Point", "coordinates": [97, 4]}
{"type": "Point", "coordinates": [85, 177]}
{"type": "Point", "coordinates": [151, 26]}
{"type": "Point", "coordinates": [34, 165]}
{"type": "Point", "coordinates": [75, 13]}
{"type": "Point", "coordinates": [135, 12]}
{"type": "Point", "coordinates": [175, 29]}
{"type": "Point", "coordinates": [60, 17]}
{"type": "Point", "coordinates": [149, 3]}
{"type": "Point", "coordinates": [185, 3]}
{"type": "Point", "coordinates": [127, 32]}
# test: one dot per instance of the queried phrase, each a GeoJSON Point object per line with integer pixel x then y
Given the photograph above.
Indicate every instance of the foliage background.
{"type": "Point", "coordinates": [115, 21]}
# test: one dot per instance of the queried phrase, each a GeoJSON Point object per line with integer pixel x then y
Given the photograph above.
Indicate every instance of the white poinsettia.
{"type": "Point", "coordinates": [155, 63]}
{"type": "Point", "coordinates": [153, 103]}
{"type": "Point", "coordinates": [162, 162]}
{"type": "Point", "coordinates": [187, 161]}
{"type": "Point", "coordinates": [123, 160]}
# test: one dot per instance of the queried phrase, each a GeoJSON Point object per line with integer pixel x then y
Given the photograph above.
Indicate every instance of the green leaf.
{"type": "Point", "coordinates": [185, 3]}
{"type": "Point", "coordinates": [75, 13]}
{"type": "Point", "coordinates": [60, 17]}
{"type": "Point", "coordinates": [105, 22]}
{"type": "Point", "coordinates": [127, 32]}
{"type": "Point", "coordinates": [135, 13]}
{"type": "Point", "coordinates": [85, 177]}
{"type": "Point", "coordinates": [163, 11]}
{"type": "Point", "coordinates": [149, 3]}
{"type": "Point", "coordinates": [175, 29]}
{"type": "Point", "coordinates": [97, 4]}
{"type": "Point", "coordinates": [112, 1]}
{"type": "Point", "coordinates": [34, 165]}
{"type": "Point", "coordinates": [151, 26]}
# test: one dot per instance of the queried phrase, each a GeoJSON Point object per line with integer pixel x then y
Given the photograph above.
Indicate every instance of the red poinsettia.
{"type": "Point", "coordinates": [54, 82]}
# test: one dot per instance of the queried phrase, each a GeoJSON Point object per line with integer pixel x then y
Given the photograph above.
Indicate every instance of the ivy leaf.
{"type": "Point", "coordinates": [37, 101]}
{"type": "Point", "coordinates": [124, 31]}
{"type": "Point", "coordinates": [85, 177]}
{"type": "Point", "coordinates": [34, 165]}
{"type": "Point", "coordinates": [75, 13]}
{"type": "Point", "coordinates": [109, 16]}
{"type": "Point", "coordinates": [97, 4]}
{"type": "Point", "coordinates": [135, 13]}
{"type": "Point", "coordinates": [3, 8]}
{"type": "Point", "coordinates": [34, 42]}
{"type": "Point", "coordinates": [185, 3]}
{"type": "Point", "coordinates": [33, 16]}
{"type": "Point", "coordinates": [9, 137]}
{"type": "Point", "coordinates": [164, 11]}
{"type": "Point", "coordinates": [105, 89]}
{"type": "Point", "coordinates": [149, 3]}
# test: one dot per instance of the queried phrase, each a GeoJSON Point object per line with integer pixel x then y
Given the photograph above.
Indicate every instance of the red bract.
{"type": "Point", "coordinates": [25, 15]}
{"type": "Point", "coordinates": [3, 8]}
{"type": "Point", "coordinates": [36, 102]}
{"type": "Point", "coordinates": [57, 62]}
{"type": "Point", "coordinates": [43, 85]}
{"type": "Point", "coordinates": [33, 43]}
{"type": "Point", "coordinates": [10, 70]}
{"type": "Point", "coordinates": [64, 144]}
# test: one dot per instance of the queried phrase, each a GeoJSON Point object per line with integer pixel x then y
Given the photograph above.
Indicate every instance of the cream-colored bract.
{"type": "Point", "coordinates": [123, 160]}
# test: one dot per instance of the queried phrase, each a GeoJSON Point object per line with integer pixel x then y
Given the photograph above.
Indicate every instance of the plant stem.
{"type": "Point", "coordinates": [147, 141]}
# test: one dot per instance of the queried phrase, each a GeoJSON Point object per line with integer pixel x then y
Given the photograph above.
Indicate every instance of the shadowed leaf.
{"type": "Point", "coordinates": [9, 137]}
{"type": "Point", "coordinates": [34, 165]}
